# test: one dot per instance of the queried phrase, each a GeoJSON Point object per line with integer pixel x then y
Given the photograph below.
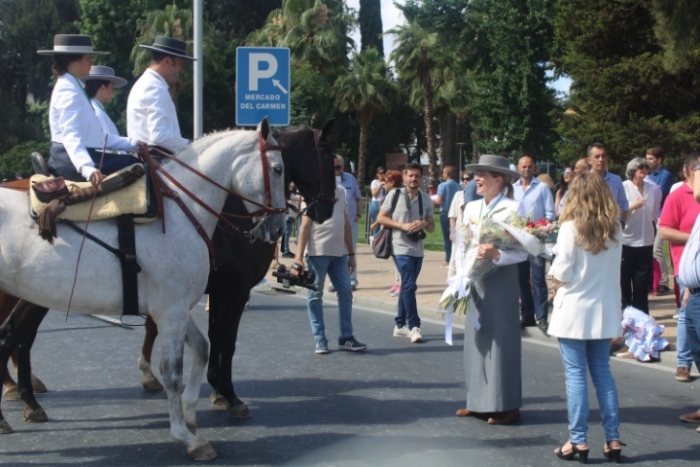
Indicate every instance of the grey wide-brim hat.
{"type": "Point", "coordinates": [169, 46]}
{"type": "Point", "coordinates": [105, 73]}
{"type": "Point", "coordinates": [496, 164]}
{"type": "Point", "coordinates": [73, 44]}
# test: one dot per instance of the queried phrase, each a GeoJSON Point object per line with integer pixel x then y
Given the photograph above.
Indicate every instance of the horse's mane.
{"type": "Point", "coordinates": [200, 145]}
{"type": "Point", "coordinates": [290, 129]}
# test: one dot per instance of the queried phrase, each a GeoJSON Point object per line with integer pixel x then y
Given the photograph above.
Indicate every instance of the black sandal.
{"type": "Point", "coordinates": [613, 454]}
{"type": "Point", "coordinates": [582, 453]}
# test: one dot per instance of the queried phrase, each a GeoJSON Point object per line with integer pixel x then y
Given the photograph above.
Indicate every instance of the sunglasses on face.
{"type": "Point", "coordinates": [567, 172]}
{"type": "Point", "coordinates": [337, 167]}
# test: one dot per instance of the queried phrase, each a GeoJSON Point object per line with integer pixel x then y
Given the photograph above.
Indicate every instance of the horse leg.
{"type": "Point", "coordinates": [149, 380]}
{"type": "Point", "coordinates": [10, 390]}
{"type": "Point", "coordinates": [29, 321]}
{"type": "Point", "coordinates": [214, 354]}
{"type": "Point", "coordinates": [200, 350]}
{"type": "Point", "coordinates": [228, 311]}
{"type": "Point", "coordinates": [173, 327]}
{"type": "Point", "coordinates": [38, 385]}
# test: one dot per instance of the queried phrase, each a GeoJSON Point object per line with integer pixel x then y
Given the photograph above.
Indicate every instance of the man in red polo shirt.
{"type": "Point", "coordinates": [677, 219]}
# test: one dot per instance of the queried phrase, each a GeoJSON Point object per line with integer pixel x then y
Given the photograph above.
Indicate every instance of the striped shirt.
{"type": "Point", "coordinates": [689, 270]}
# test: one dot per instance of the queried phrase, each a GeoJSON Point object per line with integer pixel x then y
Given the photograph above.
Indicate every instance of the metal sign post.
{"type": "Point", "coordinates": [262, 85]}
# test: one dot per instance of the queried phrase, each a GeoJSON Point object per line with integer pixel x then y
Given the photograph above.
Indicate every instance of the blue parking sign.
{"type": "Point", "coordinates": [262, 85]}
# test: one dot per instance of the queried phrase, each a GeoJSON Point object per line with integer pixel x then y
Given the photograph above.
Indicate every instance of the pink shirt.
{"type": "Point", "coordinates": [679, 212]}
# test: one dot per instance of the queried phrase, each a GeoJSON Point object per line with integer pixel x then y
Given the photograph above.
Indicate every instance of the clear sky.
{"type": "Point", "coordinates": [392, 16]}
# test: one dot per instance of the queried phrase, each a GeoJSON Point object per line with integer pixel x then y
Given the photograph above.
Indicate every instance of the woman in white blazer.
{"type": "Point", "coordinates": [587, 308]}
{"type": "Point", "coordinates": [76, 133]}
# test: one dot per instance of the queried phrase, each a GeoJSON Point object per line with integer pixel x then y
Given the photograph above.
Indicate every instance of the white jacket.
{"type": "Point", "coordinates": [74, 124]}
{"type": "Point", "coordinates": [151, 115]}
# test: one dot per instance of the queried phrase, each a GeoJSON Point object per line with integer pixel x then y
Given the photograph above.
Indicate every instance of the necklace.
{"type": "Point", "coordinates": [491, 207]}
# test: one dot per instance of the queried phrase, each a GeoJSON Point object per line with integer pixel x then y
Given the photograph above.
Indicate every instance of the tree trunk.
{"type": "Point", "coordinates": [362, 156]}
{"type": "Point", "coordinates": [442, 124]}
{"type": "Point", "coordinates": [451, 142]}
{"type": "Point", "coordinates": [429, 135]}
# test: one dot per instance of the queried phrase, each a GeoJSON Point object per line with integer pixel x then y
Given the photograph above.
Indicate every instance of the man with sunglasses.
{"type": "Point", "coordinates": [353, 201]}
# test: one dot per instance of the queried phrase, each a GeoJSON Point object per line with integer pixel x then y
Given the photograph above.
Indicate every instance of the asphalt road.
{"type": "Point", "coordinates": [391, 406]}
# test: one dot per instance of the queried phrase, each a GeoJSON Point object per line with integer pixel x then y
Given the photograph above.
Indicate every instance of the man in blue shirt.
{"type": "Point", "coordinates": [353, 201]}
{"type": "Point", "coordinates": [538, 204]}
{"type": "Point", "coordinates": [662, 177]}
{"type": "Point", "coordinates": [445, 192]}
{"type": "Point", "coordinates": [598, 158]}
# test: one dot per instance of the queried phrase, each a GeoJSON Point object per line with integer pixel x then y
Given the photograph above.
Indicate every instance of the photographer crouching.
{"type": "Point", "coordinates": [409, 217]}
{"type": "Point", "coordinates": [330, 252]}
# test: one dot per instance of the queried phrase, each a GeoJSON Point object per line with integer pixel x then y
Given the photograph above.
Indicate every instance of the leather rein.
{"type": "Point", "coordinates": [163, 189]}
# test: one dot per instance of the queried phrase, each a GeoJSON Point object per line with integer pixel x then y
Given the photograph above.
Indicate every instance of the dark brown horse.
{"type": "Point", "coordinates": [309, 164]}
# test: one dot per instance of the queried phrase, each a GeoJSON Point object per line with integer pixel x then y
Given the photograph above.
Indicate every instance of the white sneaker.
{"type": "Point", "coordinates": [401, 331]}
{"type": "Point", "coordinates": [416, 335]}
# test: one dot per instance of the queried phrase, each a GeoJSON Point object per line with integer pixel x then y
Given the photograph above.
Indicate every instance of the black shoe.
{"type": "Point", "coordinates": [288, 254]}
{"type": "Point", "coordinates": [663, 290]}
{"type": "Point", "coordinates": [582, 453]}
{"type": "Point", "coordinates": [542, 325]}
{"type": "Point", "coordinates": [527, 323]}
{"type": "Point", "coordinates": [349, 343]}
{"type": "Point", "coordinates": [615, 455]}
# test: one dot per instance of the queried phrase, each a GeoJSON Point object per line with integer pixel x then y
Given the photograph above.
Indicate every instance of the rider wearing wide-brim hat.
{"type": "Point", "coordinates": [100, 85]}
{"type": "Point", "coordinates": [151, 115]}
{"type": "Point", "coordinates": [76, 133]}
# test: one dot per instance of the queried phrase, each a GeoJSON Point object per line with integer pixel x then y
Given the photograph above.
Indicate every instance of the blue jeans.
{"type": "Point", "coordinates": [287, 233]}
{"type": "Point", "coordinates": [409, 268]}
{"type": "Point", "coordinates": [533, 307]}
{"type": "Point", "coordinates": [692, 327]}
{"type": "Point", "coordinates": [336, 267]}
{"type": "Point", "coordinates": [445, 226]}
{"type": "Point", "coordinates": [577, 354]}
{"type": "Point", "coordinates": [353, 275]}
{"type": "Point", "coordinates": [683, 356]}
{"type": "Point", "coordinates": [373, 213]}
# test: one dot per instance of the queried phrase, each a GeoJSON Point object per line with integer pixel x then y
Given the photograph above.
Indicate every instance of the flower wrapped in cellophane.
{"type": "Point", "coordinates": [472, 270]}
{"type": "Point", "coordinates": [546, 232]}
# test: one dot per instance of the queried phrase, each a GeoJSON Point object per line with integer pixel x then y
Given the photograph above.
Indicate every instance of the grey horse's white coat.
{"type": "Point", "coordinates": [175, 265]}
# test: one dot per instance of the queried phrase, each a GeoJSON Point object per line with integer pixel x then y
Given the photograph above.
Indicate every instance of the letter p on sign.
{"type": "Point", "coordinates": [255, 73]}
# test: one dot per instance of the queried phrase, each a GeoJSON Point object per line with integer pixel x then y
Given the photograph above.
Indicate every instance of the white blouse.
{"type": "Point", "coordinates": [639, 226]}
{"type": "Point", "coordinates": [588, 305]}
{"type": "Point", "coordinates": [107, 124]}
{"type": "Point", "coordinates": [74, 124]}
{"type": "Point", "coordinates": [151, 115]}
{"type": "Point", "coordinates": [478, 209]}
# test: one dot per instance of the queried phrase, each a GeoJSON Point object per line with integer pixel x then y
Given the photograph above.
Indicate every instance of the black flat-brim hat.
{"type": "Point", "coordinates": [105, 73]}
{"type": "Point", "coordinates": [169, 46]}
{"type": "Point", "coordinates": [73, 44]}
{"type": "Point", "coordinates": [496, 164]}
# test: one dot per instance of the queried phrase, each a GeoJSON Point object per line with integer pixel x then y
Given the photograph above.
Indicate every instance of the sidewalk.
{"type": "Point", "coordinates": [377, 275]}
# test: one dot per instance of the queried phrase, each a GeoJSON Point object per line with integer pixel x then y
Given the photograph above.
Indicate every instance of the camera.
{"type": "Point", "coordinates": [416, 236]}
{"type": "Point", "coordinates": [306, 279]}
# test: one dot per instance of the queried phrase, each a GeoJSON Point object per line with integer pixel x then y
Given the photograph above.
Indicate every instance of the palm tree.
{"type": "Point", "coordinates": [365, 89]}
{"type": "Point", "coordinates": [314, 30]}
{"type": "Point", "coordinates": [414, 57]}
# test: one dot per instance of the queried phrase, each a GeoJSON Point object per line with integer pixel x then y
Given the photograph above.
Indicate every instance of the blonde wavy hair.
{"type": "Point", "coordinates": [590, 205]}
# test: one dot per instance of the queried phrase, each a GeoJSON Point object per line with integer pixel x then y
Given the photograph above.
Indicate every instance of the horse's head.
{"type": "Point", "coordinates": [259, 177]}
{"type": "Point", "coordinates": [308, 161]}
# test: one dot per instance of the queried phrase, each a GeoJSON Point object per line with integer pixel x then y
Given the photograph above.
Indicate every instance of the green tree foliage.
{"type": "Point", "coordinates": [309, 96]}
{"type": "Point", "coordinates": [621, 94]}
{"type": "Point", "coordinates": [17, 160]}
{"type": "Point", "coordinates": [509, 53]}
{"type": "Point", "coordinates": [370, 21]}
{"type": "Point", "coordinates": [677, 28]}
{"type": "Point", "coordinates": [365, 89]}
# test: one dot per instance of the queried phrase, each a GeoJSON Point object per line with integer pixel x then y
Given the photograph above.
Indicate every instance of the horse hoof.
{"type": "Point", "coordinates": [151, 384]}
{"type": "Point", "coordinates": [37, 415]}
{"type": "Point", "coordinates": [203, 452]}
{"type": "Point", "coordinates": [219, 401]}
{"type": "Point", "coordinates": [240, 411]}
{"type": "Point", "coordinates": [5, 427]}
{"type": "Point", "coordinates": [38, 386]}
{"type": "Point", "coordinates": [12, 394]}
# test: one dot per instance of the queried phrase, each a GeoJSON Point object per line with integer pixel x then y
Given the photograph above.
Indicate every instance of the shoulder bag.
{"type": "Point", "coordinates": [381, 246]}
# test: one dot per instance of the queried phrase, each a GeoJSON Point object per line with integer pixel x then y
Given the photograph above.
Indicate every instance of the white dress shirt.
{"type": "Point", "coordinates": [151, 115]}
{"type": "Point", "coordinates": [108, 125]}
{"type": "Point", "coordinates": [74, 124]}
{"type": "Point", "coordinates": [588, 303]}
{"type": "Point", "coordinates": [639, 226]}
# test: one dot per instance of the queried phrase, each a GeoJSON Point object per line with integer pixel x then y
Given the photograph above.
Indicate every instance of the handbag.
{"type": "Point", "coordinates": [381, 246]}
{"type": "Point", "coordinates": [50, 188]}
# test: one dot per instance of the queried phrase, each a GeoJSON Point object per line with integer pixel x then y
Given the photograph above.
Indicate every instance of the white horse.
{"type": "Point", "coordinates": [175, 265]}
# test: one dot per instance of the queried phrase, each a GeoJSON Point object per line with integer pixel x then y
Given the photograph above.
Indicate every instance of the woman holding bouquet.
{"type": "Point", "coordinates": [586, 314]}
{"type": "Point", "coordinates": [492, 353]}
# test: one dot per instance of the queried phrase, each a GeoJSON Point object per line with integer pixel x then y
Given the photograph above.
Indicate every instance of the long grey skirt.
{"type": "Point", "coordinates": [492, 358]}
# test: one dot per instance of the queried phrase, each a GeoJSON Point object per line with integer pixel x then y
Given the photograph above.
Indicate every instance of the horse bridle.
{"type": "Point", "coordinates": [321, 196]}
{"type": "Point", "coordinates": [265, 209]}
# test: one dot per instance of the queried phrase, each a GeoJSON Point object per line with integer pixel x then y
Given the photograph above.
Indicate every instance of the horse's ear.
{"type": "Point", "coordinates": [327, 128]}
{"type": "Point", "coordinates": [264, 129]}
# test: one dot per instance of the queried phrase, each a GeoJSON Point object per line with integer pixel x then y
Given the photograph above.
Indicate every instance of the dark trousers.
{"type": "Point", "coordinates": [445, 226]}
{"type": "Point", "coordinates": [60, 164]}
{"type": "Point", "coordinates": [635, 275]}
{"type": "Point", "coordinates": [533, 295]}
